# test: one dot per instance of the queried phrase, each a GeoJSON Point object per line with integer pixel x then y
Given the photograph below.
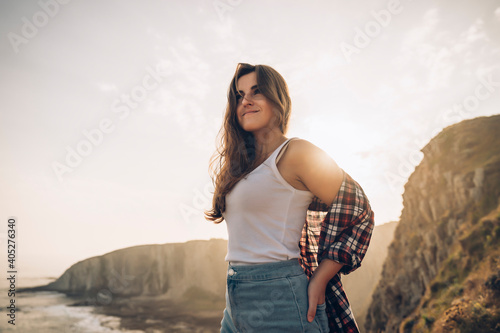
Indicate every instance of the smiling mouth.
{"type": "Point", "coordinates": [249, 112]}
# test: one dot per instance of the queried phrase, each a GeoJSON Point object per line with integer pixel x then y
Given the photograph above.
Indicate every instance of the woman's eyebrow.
{"type": "Point", "coordinates": [252, 88]}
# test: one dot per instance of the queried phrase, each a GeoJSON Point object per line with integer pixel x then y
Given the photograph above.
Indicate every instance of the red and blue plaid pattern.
{"type": "Point", "coordinates": [342, 233]}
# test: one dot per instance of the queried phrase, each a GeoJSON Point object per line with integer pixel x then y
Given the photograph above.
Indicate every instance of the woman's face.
{"type": "Point", "coordinates": [254, 110]}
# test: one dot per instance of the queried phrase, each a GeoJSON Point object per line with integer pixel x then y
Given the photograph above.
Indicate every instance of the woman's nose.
{"type": "Point", "coordinates": [246, 100]}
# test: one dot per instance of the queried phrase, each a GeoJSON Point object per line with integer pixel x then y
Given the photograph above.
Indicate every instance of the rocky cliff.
{"type": "Point", "coordinates": [442, 270]}
{"type": "Point", "coordinates": [359, 285]}
{"type": "Point", "coordinates": [156, 279]}
{"type": "Point", "coordinates": [173, 271]}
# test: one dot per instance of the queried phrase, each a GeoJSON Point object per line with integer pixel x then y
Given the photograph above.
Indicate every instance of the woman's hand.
{"type": "Point", "coordinates": [317, 285]}
{"type": "Point", "coordinates": [316, 295]}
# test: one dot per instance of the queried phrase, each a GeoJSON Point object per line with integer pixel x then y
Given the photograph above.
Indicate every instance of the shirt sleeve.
{"type": "Point", "coordinates": [347, 228]}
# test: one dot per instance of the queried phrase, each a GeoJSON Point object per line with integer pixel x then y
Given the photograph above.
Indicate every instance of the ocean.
{"type": "Point", "coordinates": [49, 312]}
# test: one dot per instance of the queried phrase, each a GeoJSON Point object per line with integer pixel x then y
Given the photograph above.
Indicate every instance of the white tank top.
{"type": "Point", "coordinates": [265, 216]}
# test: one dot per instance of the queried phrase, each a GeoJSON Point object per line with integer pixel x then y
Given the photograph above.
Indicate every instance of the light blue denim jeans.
{"type": "Point", "coordinates": [269, 297]}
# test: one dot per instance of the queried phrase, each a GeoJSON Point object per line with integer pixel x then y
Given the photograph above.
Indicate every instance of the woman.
{"type": "Point", "coordinates": [287, 206]}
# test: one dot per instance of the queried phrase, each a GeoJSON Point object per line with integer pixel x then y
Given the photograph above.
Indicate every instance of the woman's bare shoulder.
{"type": "Point", "coordinates": [316, 169]}
{"type": "Point", "coordinates": [303, 148]}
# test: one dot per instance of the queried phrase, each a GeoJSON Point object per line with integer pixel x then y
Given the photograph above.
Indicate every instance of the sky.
{"type": "Point", "coordinates": [110, 110]}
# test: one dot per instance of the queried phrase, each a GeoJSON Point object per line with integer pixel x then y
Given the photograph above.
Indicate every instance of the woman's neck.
{"type": "Point", "coordinates": [266, 146]}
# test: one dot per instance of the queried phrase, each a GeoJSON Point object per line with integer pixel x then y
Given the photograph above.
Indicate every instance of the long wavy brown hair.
{"type": "Point", "coordinates": [236, 153]}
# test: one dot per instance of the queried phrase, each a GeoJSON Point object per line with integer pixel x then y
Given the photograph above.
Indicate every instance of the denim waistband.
{"type": "Point", "coordinates": [278, 269]}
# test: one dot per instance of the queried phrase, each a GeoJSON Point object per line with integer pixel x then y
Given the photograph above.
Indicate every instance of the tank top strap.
{"type": "Point", "coordinates": [282, 151]}
{"type": "Point", "coordinates": [265, 215]}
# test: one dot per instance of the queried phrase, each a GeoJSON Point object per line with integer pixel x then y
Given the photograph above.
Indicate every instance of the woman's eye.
{"type": "Point", "coordinates": [256, 91]}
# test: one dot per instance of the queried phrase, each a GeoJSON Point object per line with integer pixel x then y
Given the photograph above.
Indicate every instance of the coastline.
{"type": "Point", "coordinates": [158, 315]}
{"type": "Point", "coordinates": [51, 312]}
{"type": "Point", "coordinates": [54, 312]}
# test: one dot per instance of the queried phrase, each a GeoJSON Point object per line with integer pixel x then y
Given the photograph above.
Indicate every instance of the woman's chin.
{"type": "Point", "coordinates": [251, 127]}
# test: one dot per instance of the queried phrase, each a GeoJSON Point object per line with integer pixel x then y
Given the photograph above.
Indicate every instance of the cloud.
{"type": "Point", "coordinates": [153, 32]}
{"type": "Point", "coordinates": [416, 42]}
{"type": "Point", "coordinates": [183, 96]}
{"type": "Point", "coordinates": [424, 44]}
{"type": "Point", "coordinates": [107, 87]}
{"type": "Point", "coordinates": [475, 32]}
{"type": "Point", "coordinates": [441, 52]}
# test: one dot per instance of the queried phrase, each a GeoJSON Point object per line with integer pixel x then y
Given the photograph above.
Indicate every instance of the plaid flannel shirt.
{"type": "Point", "coordinates": [341, 233]}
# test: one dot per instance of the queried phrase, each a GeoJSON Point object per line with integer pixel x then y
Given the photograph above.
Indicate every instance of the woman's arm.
{"type": "Point", "coordinates": [326, 270]}
{"type": "Point", "coordinates": [323, 177]}
{"type": "Point", "coordinates": [315, 169]}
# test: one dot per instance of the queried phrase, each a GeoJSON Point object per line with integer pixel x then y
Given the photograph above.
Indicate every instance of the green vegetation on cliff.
{"type": "Point", "coordinates": [442, 273]}
{"type": "Point", "coordinates": [465, 295]}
